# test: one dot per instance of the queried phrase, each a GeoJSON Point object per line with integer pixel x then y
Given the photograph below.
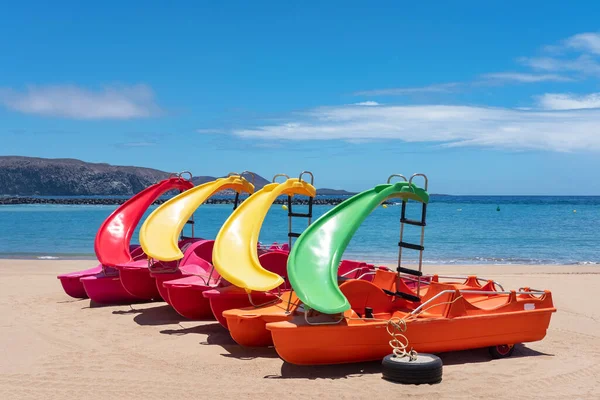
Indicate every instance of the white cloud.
{"type": "Point", "coordinates": [567, 101]}
{"type": "Point", "coordinates": [584, 64]}
{"type": "Point", "coordinates": [70, 101]}
{"type": "Point", "coordinates": [588, 42]}
{"type": "Point", "coordinates": [448, 125]}
{"type": "Point", "coordinates": [438, 88]}
{"type": "Point", "coordinates": [367, 103]}
{"type": "Point", "coordinates": [526, 77]}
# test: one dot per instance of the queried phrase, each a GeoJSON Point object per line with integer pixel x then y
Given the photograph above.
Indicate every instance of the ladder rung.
{"type": "Point", "coordinates": [412, 222]}
{"type": "Point", "coordinates": [411, 246]}
{"type": "Point", "coordinates": [304, 215]}
{"type": "Point", "coordinates": [409, 271]}
{"type": "Point", "coordinates": [189, 221]}
{"type": "Point", "coordinates": [293, 234]}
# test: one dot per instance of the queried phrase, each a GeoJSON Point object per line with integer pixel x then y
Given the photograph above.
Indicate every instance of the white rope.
{"type": "Point", "coordinates": [396, 327]}
{"type": "Point", "coordinates": [399, 343]}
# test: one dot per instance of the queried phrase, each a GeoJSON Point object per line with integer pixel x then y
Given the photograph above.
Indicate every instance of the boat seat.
{"type": "Point", "coordinates": [198, 250]}
{"type": "Point", "coordinates": [276, 262]}
{"type": "Point", "coordinates": [384, 279]}
{"type": "Point", "coordinates": [439, 306]}
{"type": "Point", "coordinates": [363, 294]}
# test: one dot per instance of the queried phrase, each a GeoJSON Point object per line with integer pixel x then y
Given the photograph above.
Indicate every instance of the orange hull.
{"type": "Point", "coordinates": [247, 326]}
{"type": "Point", "coordinates": [458, 321]}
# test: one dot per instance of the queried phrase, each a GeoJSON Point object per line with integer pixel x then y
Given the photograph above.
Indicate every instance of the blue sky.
{"type": "Point", "coordinates": [498, 97]}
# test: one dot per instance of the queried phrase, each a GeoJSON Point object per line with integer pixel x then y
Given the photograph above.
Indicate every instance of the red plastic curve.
{"type": "Point", "coordinates": [113, 237]}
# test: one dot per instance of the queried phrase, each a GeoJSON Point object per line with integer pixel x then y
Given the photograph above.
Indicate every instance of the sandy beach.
{"type": "Point", "coordinates": [55, 347]}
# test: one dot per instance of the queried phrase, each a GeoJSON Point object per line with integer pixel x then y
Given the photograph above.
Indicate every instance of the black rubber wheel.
{"type": "Point", "coordinates": [501, 351]}
{"type": "Point", "coordinates": [427, 368]}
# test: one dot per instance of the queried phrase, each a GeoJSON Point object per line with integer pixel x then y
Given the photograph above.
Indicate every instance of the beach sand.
{"type": "Point", "coordinates": [55, 347]}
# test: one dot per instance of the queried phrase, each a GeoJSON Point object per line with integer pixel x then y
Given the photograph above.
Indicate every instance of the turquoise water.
{"type": "Point", "coordinates": [461, 229]}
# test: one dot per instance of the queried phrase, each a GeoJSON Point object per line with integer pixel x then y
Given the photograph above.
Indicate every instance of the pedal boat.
{"type": "Point", "coordinates": [359, 320]}
{"type": "Point", "coordinates": [137, 277]}
{"type": "Point", "coordinates": [71, 281]}
{"type": "Point", "coordinates": [112, 246]}
{"type": "Point", "coordinates": [446, 319]}
{"type": "Point", "coordinates": [232, 305]}
{"type": "Point", "coordinates": [255, 280]}
{"type": "Point", "coordinates": [248, 326]}
{"type": "Point", "coordinates": [182, 277]}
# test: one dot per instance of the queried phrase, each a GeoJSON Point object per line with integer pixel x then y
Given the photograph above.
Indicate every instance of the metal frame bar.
{"type": "Point", "coordinates": [416, 310]}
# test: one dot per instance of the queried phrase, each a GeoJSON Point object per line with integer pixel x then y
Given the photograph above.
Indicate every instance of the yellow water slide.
{"type": "Point", "coordinates": [235, 254]}
{"type": "Point", "coordinates": [160, 232]}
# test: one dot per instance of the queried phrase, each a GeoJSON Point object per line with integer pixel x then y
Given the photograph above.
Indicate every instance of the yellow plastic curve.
{"type": "Point", "coordinates": [235, 254]}
{"type": "Point", "coordinates": [160, 232]}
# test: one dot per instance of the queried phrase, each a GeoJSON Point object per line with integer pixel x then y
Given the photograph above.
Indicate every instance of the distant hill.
{"type": "Point", "coordinates": [70, 177]}
{"type": "Point", "coordinates": [334, 192]}
{"type": "Point", "coordinates": [32, 176]}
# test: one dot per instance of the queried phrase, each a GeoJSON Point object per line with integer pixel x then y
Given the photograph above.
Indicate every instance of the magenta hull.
{"type": "Point", "coordinates": [185, 296]}
{"type": "Point", "coordinates": [160, 279]}
{"type": "Point", "coordinates": [137, 281]}
{"type": "Point", "coordinates": [107, 289]}
{"type": "Point", "coordinates": [72, 284]}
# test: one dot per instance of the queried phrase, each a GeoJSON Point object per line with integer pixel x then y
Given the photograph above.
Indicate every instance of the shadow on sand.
{"type": "Point", "coordinates": [70, 301]}
{"type": "Point", "coordinates": [219, 336]}
{"type": "Point", "coordinates": [482, 355]}
{"type": "Point", "coordinates": [93, 304]}
{"type": "Point", "coordinates": [160, 315]}
{"type": "Point", "coordinates": [341, 371]}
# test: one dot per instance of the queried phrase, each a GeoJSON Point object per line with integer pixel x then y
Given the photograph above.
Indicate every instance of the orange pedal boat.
{"type": "Point", "coordinates": [447, 319]}
{"type": "Point", "coordinates": [362, 321]}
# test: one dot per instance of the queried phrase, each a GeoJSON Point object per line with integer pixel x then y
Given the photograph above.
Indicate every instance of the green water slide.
{"type": "Point", "coordinates": [314, 258]}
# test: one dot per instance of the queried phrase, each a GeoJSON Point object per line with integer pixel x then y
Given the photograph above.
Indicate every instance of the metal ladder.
{"type": "Point", "coordinates": [292, 214]}
{"type": "Point", "coordinates": [405, 245]}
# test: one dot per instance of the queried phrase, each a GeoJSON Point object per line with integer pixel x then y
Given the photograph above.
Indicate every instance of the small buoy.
{"type": "Point", "coordinates": [459, 209]}
{"type": "Point", "coordinates": [498, 208]}
{"type": "Point", "coordinates": [384, 206]}
{"type": "Point", "coordinates": [284, 207]}
{"type": "Point", "coordinates": [574, 211]}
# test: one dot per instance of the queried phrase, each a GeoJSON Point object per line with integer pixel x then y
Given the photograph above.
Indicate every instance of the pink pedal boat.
{"type": "Point", "coordinates": [170, 269]}
{"type": "Point", "coordinates": [71, 282]}
{"type": "Point", "coordinates": [186, 293]}
{"type": "Point", "coordinates": [112, 246]}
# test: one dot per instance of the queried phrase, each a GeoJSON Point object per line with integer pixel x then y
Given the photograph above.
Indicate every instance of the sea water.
{"type": "Point", "coordinates": [460, 230]}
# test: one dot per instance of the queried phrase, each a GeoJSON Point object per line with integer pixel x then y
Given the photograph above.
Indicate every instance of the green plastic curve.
{"type": "Point", "coordinates": [314, 258]}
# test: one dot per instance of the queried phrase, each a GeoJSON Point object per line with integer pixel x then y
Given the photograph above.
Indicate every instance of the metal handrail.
{"type": "Point", "coordinates": [397, 175]}
{"type": "Point", "coordinates": [312, 178]}
{"type": "Point", "coordinates": [479, 279]}
{"type": "Point", "coordinates": [185, 172]}
{"type": "Point", "coordinates": [248, 172]}
{"type": "Point", "coordinates": [416, 310]}
{"type": "Point", "coordinates": [275, 300]}
{"type": "Point", "coordinates": [277, 175]}
{"type": "Point", "coordinates": [414, 175]}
